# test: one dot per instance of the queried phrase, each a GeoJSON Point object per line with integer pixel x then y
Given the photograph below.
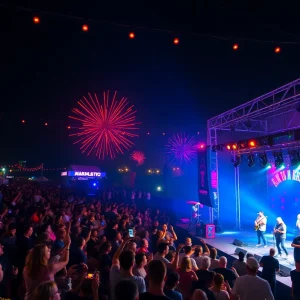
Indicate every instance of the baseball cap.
{"type": "Point", "coordinates": [252, 263]}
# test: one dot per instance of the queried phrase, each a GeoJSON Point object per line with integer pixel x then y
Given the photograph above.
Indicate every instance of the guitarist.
{"type": "Point", "coordinates": [261, 226]}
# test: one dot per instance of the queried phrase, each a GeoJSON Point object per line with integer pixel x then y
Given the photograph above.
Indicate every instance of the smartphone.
{"type": "Point", "coordinates": [90, 276]}
{"type": "Point", "coordinates": [130, 233]}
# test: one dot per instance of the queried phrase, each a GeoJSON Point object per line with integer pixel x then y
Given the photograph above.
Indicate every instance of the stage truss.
{"type": "Point", "coordinates": [276, 111]}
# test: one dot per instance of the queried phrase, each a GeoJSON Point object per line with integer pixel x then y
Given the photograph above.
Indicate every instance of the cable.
{"type": "Point", "coordinates": [168, 31]}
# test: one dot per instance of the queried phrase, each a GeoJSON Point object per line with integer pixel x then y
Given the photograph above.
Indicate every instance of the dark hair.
{"type": "Point", "coordinates": [126, 259]}
{"type": "Point", "coordinates": [172, 279]}
{"type": "Point", "coordinates": [241, 256]}
{"type": "Point", "coordinates": [12, 226]}
{"type": "Point", "coordinates": [213, 253]}
{"type": "Point", "coordinates": [106, 246]}
{"type": "Point", "coordinates": [126, 290]}
{"type": "Point", "coordinates": [162, 247]}
{"type": "Point", "coordinates": [156, 271]}
{"type": "Point", "coordinates": [187, 249]}
{"type": "Point", "coordinates": [197, 252]}
{"type": "Point", "coordinates": [139, 258]}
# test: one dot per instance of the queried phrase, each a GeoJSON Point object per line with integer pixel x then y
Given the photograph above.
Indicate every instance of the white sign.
{"type": "Point", "coordinates": [89, 174]}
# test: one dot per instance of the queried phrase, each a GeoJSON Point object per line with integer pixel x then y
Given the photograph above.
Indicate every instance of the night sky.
{"type": "Point", "coordinates": [46, 68]}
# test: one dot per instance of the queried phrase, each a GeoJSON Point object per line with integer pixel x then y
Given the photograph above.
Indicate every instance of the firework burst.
{"type": "Point", "coordinates": [181, 148]}
{"type": "Point", "coordinates": [139, 157]}
{"type": "Point", "coordinates": [106, 128]}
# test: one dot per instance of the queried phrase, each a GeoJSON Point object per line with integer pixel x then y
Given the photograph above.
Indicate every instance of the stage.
{"type": "Point", "coordinates": [223, 242]}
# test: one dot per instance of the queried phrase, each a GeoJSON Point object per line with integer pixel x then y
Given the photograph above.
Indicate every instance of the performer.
{"type": "Point", "coordinates": [280, 236]}
{"type": "Point", "coordinates": [260, 227]}
{"type": "Point", "coordinates": [298, 225]}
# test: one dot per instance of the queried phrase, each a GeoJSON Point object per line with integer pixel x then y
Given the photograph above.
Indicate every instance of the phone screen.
{"type": "Point", "coordinates": [130, 232]}
{"type": "Point", "coordinates": [90, 276]}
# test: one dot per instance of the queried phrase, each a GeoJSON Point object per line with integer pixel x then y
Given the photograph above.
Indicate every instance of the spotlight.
{"type": "Point", "coordinates": [279, 161]}
{"type": "Point", "coordinates": [277, 50]}
{"type": "Point", "coordinates": [234, 147]}
{"type": "Point", "coordinates": [235, 47]}
{"type": "Point", "coordinates": [294, 157]}
{"type": "Point", "coordinates": [176, 41]}
{"type": "Point", "coordinates": [36, 20]}
{"type": "Point", "coordinates": [237, 160]}
{"type": "Point", "coordinates": [251, 160]}
{"type": "Point", "coordinates": [131, 35]}
{"type": "Point", "coordinates": [252, 144]}
{"type": "Point", "coordinates": [263, 159]}
{"type": "Point", "coordinates": [85, 28]}
{"type": "Point", "coordinates": [228, 147]}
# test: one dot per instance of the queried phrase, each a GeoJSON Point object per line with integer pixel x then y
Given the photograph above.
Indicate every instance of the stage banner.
{"type": "Point", "coordinates": [203, 178]}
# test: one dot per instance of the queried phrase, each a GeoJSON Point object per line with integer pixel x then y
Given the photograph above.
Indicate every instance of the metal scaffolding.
{"type": "Point", "coordinates": [276, 111]}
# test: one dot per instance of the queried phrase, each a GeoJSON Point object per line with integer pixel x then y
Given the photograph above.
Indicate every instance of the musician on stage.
{"type": "Point", "coordinates": [280, 236]}
{"type": "Point", "coordinates": [298, 224]}
{"type": "Point", "coordinates": [260, 227]}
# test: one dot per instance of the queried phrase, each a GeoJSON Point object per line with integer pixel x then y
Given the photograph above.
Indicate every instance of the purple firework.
{"type": "Point", "coordinates": [181, 148]}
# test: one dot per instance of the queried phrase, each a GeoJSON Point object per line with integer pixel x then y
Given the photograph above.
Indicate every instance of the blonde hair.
{"type": "Point", "coordinates": [186, 264]}
{"type": "Point", "coordinates": [279, 220]}
{"type": "Point", "coordinates": [45, 290]}
{"type": "Point", "coordinates": [218, 280]}
{"type": "Point", "coordinates": [36, 259]}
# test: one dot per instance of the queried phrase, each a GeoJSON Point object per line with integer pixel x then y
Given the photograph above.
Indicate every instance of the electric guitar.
{"type": "Point", "coordinates": [257, 224]}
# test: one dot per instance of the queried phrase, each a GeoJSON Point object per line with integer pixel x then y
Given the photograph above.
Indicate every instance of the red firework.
{"type": "Point", "coordinates": [139, 157]}
{"type": "Point", "coordinates": [106, 128]}
{"type": "Point", "coordinates": [181, 148]}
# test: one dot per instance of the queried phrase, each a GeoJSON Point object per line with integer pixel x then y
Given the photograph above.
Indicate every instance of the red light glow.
{"type": "Point", "coordinates": [234, 147]}
{"type": "Point", "coordinates": [202, 146]}
{"type": "Point", "coordinates": [85, 28]}
{"type": "Point", "coordinates": [23, 121]}
{"type": "Point", "coordinates": [46, 124]}
{"type": "Point", "coordinates": [277, 50]}
{"type": "Point", "coordinates": [252, 143]}
{"type": "Point", "coordinates": [36, 20]}
{"type": "Point", "coordinates": [176, 41]}
{"type": "Point", "coordinates": [139, 157]}
{"type": "Point", "coordinates": [69, 127]}
{"type": "Point", "coordinates": [131, 35]}
{"type": "Point", "coordinates": [235, 47]}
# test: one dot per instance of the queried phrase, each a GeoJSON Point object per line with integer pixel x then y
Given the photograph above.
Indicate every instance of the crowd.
{"type": "Point", "coordinates": [56, 245]}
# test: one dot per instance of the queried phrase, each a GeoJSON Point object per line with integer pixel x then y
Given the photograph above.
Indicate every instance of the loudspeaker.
{"type": "Point", "coordinates": [210, 231]}
{"type": "Point", "coordinates": [238, 243]}
{"type": "Point", "coordinates": [257, 257]}
{"type": "Point", "coordinates": [285, 271]}
{"type": "Point", "coordinates": [238, 250]}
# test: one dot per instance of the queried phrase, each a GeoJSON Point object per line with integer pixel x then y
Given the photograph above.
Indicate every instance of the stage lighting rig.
{"type": "Point", "coordinates": [263, 159]}
{"type": "Point", "coordinates": [294, 157]}
{"type": "Point", "coordinates": [237, 160]}
{"type": "Point", "coordinates": [251, 160]}
{"type": "Point", "coordinates": [279, 161]}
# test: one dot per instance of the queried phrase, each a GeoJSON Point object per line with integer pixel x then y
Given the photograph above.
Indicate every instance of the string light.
{"type": "Point", "coordinates": [235, 47]}
{"type": "Point", "coordinates": [277, 50]}
{"type": "Point", "coordinates": [176, 41]}
{"type": "Point", "coordinates": [23, 121]}
{"type": "Point", "coordinates": [69, 127]}
{"type": "Point", "coordinates": [131, 35]}
{"type": "Point", "coordinates": [36, 20]}
{"type": "Point", "coordinates": [46, 124]}
{"type": "Point", "coordinates": [85, 28]}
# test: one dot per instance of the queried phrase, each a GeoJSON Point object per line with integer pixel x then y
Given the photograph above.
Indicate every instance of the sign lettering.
{"type": "Point", "coordinates": [285, 175]}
